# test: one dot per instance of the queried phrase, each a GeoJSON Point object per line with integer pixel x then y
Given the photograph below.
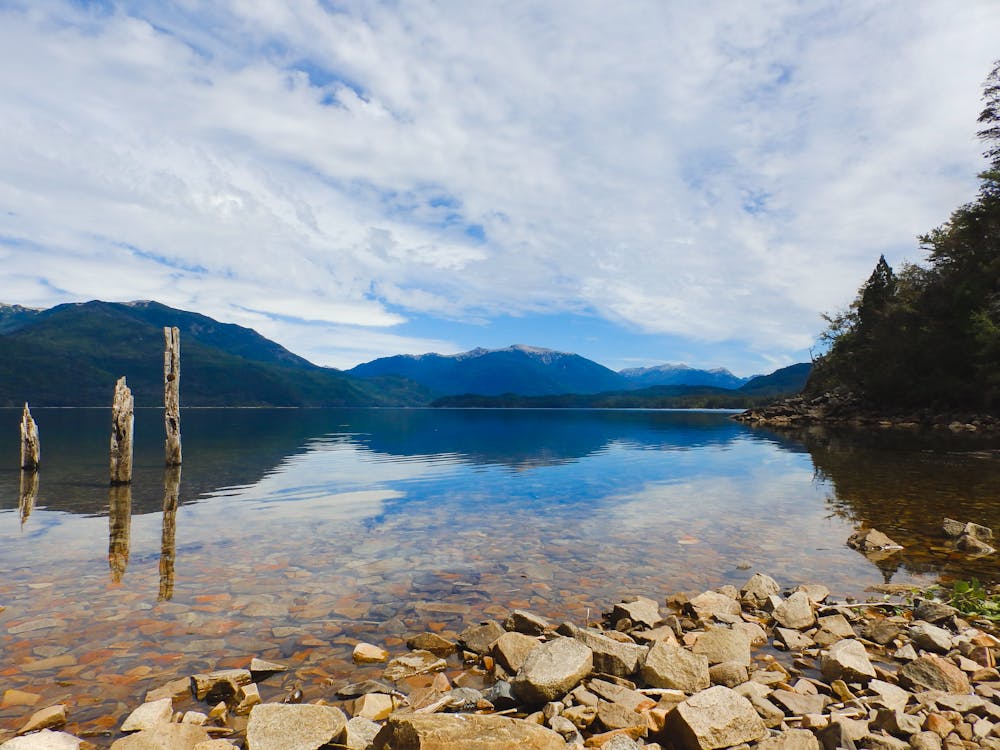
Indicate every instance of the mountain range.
{"type": "Point", "coordinates": [71, 355]}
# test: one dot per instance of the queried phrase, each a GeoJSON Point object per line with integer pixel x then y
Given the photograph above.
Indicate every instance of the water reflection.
{"type": "Point", "coordinates": [27, 494]}
{"type": "Point", "coordinates": [168, 534]}
{"type": "Point", "coordinates": [120, 522]}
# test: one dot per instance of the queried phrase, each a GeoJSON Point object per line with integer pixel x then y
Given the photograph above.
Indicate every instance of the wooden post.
{"type": "Point", "coordinates": [31, 452]}
{"type": "Point", "coordinates": [27, 495]}
{"type": "Point", "coordinates": [120, 536]}
{"type": "Point", "coordinates": [122, 425]}
{"type": "Point", "coordinates": [168, 537]}
{"type": "Point", "coordinates": [171, 394]}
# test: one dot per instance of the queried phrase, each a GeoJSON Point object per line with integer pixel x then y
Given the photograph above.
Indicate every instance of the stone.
{"type": "Point", "coordinates": [479, 638]}
{"type": "Point", "coordinates": [714, 718]}
{"type": "Point", "coordinates": [611, 656]}
{"type": "Point", "coordinates": [795, 612]}
{"type": "Point", "coordinates": [551, 670]}
{"type": "Point", "coordinates": [432, 642]}
{"type": "Point", "coordinates": [728, 673]}
{"type": "Point", "coordinates": [793, 640]}
{"type": "Point", "coordinates": [263, 667]}
{"type": "Point", "coordinates": [847, 660]}
{"type": "Point", "coordinates": [12, 697]}
{"type": "Point", "coordinates": [581, 716]}
{"type": "Point", "coordinates": [753, 631]}
{"type": "Point", "coordinates": [247, 696]}
{"type": "Point", "coordinates": [723, 645]}
{"type": "Point", "coordinates": [938, 724]}
{"type": "Point", "coordinates": [512, 648]}
{"type": "Point", "coordinates": [621, 742]}
{"type": "Point", "coordinates": [711, 603]}
{"type": "Point", "coordinates": [925, 741]}
{"type": "Point", "coordinates": [369, 653]}
{"type": "Point", "coordinates": [952, 528]}
{"type": "Point", "coordinates": [931, 672]}
{"type": "Point", "coordinates": [360, 733]}
{"type": "Point", "coordinates": [285, 726]}
{"type": "Point", "coordinates": [639, 610]}
{"type": "Point", "coordinates": [357, 689]}
{"type": "Point", "coordinates": [220, 685]}
{"type": "Point", "coordinates": [501, 695]}
{"type": "Point", "coordinates": [770, 714]}
{"type": "Point", "coordinates": [932, 611]}
{"type": "Point", "coordinates": [816, 592]}
{"type": "Point", "coordinates": [930, 637]}
{"type": "Point", "coordinates": [149, 715]}
{"type": "Point", "coordinates": [974, 546]}
{"type": "Point", "coordinates": [976, 531]}
{"type": "Point", "coordinates": [214, 745]}
{"type": "Point", "coordinates": [413, 663]}
{"type": "Point", "coordinates": [793, 739]}
{"type": "Point", "coordinates": [670, 666]}
{"type": "Point", "coordinates": [633, 700]}
{"type": "Point", "coordinates": [194, 717]}
{"type": "Point", "coordinates": [374, 706]}
{"type": "Point", "coordinates": [165, 737]}
{"type": "Point", "coordinates": [799, 704]}
{"type": "Point", "coordinates": [466, 731]}
{"type": "Point", "coordinates": [757, 589]}
{"type": "Point", "coordinates": [891, 696]}
{"type": "Point", "coordinates": [897, 723]}
{"type": "Point", "coordinates": [45, 739]}
{"type": "Point", "coordinates": [617, 716]}
{"type": "Point", "coordinates": [528, 623]}
{"type": "Point", "coordinates": [842, 733]}
{"type": "Point", "coordinates": [960, 702]}
{"type": "Point", "coordinates": [173, 689]}
{"type": "Point", "coordinates": [881, 742]}
{"type": "Point", "coordinates": [660, 633]}
{"type": "Point", "coordinates": [46, 718]}
{"type": "Point", "coordinates": [832, 628]}
{"type": "Point", "coordinates": [871, 540]}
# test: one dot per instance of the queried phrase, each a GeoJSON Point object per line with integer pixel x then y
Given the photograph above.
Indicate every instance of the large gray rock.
{"type": "Point", "coordinates": [465, 731]}
{"type": "Point", "coordinates": [479, 638]}
{"type": "Point", "coordinates": [931, 637]}
{"type": "Point", "coordinates": [670, 666]}
{"type": "Point", "coordinates": [639, 610]}
{"type": "Point", "coordinates": [708, 604]}
{"type": "Point", "coordinates": [551, 670]}
{"type": "Point", "coordinates": [714, 718]}
{"type": "Point", "coordinates": [283, 726]}
{"type": "Point", "coordinates": [795, 612]}
{"type": "Point", "coordinates": [528, 623]}
{"type": "Point", "coordinates": [44, 740]}
{"type": "Point", "coordinates": [931, 672]}
{"type": "Point", "coordinates": [724, 645]}
{"type": "Point", "coordinates": [611, 656]}
{"type": "Point", "coordinates": [756, 591]}
{"type": "Point", "coordinates": [165, 737]}
{"type": "Point", "coordinates": [847, 660]}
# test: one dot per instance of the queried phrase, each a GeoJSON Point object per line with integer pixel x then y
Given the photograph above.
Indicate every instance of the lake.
{"type": "Point", "coordinates": [291, 534]}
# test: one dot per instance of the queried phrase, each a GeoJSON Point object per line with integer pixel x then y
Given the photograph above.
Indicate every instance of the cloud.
{"type": "Point", "coordinates": [719, 172]}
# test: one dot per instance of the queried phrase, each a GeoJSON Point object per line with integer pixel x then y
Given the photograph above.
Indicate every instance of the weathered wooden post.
{"type": "Point", "coordinates": [171, 394]}
{"type": "Point", "coordinates": [120, 536]}
{"type": "Point", "coordinates": [28, 494]}
{"type": "Point", "coordinates": [168, 537]}
{"type": "Point", "coordinates": [31, 452]}
{"type": "Point", "coordinates": [122, 425]}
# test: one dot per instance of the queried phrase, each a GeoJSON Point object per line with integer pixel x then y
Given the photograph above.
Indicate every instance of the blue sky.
{"type": "Point", "coordinates": [640, 182]}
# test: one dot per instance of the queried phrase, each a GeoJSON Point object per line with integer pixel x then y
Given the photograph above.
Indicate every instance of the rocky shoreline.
{"type": "Point", "coordinates": [845, 410]}
{"type": "Point", "coordinates": [755, 667]}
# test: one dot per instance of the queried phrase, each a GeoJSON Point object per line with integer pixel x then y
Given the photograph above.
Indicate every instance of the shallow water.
{"type": "Point", "coordinates": [291, 534]}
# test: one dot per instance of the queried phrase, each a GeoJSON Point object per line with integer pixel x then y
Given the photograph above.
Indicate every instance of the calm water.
{"type": "Point", "coordinates": [290, 534]}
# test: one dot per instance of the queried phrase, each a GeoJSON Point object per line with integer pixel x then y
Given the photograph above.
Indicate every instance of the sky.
{"type": "Point", "coordinates": [639, 182]}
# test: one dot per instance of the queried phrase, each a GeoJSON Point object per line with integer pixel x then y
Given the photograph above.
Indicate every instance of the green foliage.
{"type": "Point", "coordinates": [930, 336]}
{"type": "Point", "coordinates": [970, 598]}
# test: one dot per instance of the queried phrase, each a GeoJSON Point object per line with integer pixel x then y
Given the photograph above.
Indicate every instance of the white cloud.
{"type": "Point", "coordinates": [720, 171]}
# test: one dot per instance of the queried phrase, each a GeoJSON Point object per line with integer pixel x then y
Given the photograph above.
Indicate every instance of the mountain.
{"type": "Point", "coordinates": [524, 370]}
{"type": "Point", "coordinates": [645, 377]}
{"type": "Point", "coordinates": [787, 380]}
{"type": "Point", "coordinates": [71, 355]}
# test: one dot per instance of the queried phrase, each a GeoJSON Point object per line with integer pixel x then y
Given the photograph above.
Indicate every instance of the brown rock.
{"type": "Point", "coordinates": [432, 642]}
{"type": "Point", "coordinates": [551, 670]}
{"type": "Point", "coordinates": [847, 660]}
{"type": "Point", "coordinates": [283, 726]}
{"type": "Point", "coordinates": [710, 603]}
{"type": "Point", "coordinates": [166, 737]}
{"type": "Point", "coordinates": [795, 612]}
{"type": "Point", "coordinates": [479, 638]}
{"type": "Point", "coordinates": [617, 716]}
{"type": "Point", "coordinates": [714, 718]}
{"type": "Point", "coordinates": [512, 648]}
{"type": "Point", "coordinates": [465, 731]}
{"type": "Point", "coordinates": [413, 663]}
{"type": "Point", "coordinates": [638, 609]}
{"type": "Point", "coordinates": [149, 715]}
{"type": "Point", "coordinates": [793, 739]}
{"type": "Point", "coordinates": [528, 623]}
{"type": "Point", "coordinates": [799, 704]}
{"type": "Point", "coordinates": [756, 590]}
{"type": "Point", "coordinates": [723, 645]}
{"type": "Point", "coordinates": [47, 718]}
{"type": "Point", "coordinates": [931, 672]}
{"type": "Point", "coordinates": [369, 653]}
{"type": "Point", "coordinates": [46, 739]}
{"type": "Point", "coordinates": [670, 666]}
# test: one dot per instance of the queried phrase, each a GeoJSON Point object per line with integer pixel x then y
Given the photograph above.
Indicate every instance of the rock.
{"type": "Point", "coordinates": [931, 672]}
{"type": "Point", "coordinates": [872, 540]}
{"type": "Point", "coordinates": [621, 742]}
{"type": "Point", "coordinates": [974, 546]}
{"type": "Point", "coordinates": [173, 689]}
{"type": "Point", "coordinates": [374, 706]}
{"type": "Point", "coordinates": [952, 528]}
{"type": "Point", "coordinates": [670, 666]}
{"type": "Point", "coordinates": [728, 673]}
{"type": "Point", "coordinates": [247, 696]}
{"type": "Point", "coordinates": [611, 656]}
{"type": "Point", "coordinates": [45, 739]}
{"type": "Point", "coordinates": [754, 632]}
{"type": "Point", "coordinates": [793, 640]}
{"type": "Point", "coordinates": [149, 715]}
{"type": "Point", "coordinates": [881, 742]}
{"type": "Point", "coordinates": [262, 667]}
{"type": "Point", "coordinates": [793, 739]}
{"type": "Point", "coordinates": [723, 645]}
{"type": "Point", "coordinates": [897, 723]}
{"type": "Point", "coordinates": [528, 623]}
{"type": "Point", "coordinates": [479, 638]}
{"type": "Point", "coordinates": [932, 611]}
{"type": "Point", "coordinates": [282, 726]}
{"type": "Point", "coordinates": [551, 670]}
{"type": "Point", "coordinates": [165, 737]}
{"type": "Point", "coordinates": [847, 660]}
{"type": "Point", "coordinates": [714, 718]}
{"type": "Point", "coordinates": [756, 590]}
{"type": "Point", "coordinates": [360, 733]}
{"type": "Point", "coordinates": [617, 716]}
{"type": "Point", "coordinates": [219, 686]}
{"type": "Point", "coordinates": [842, 733]}
{"type": "Point", "coordinates": [661, 633]}
{"type": "Point", "coordinates": [795, 612]}
{"type": "Point", "coordinates": [982, 533]}
{"type": "Point", "coordinates": [357, 689]}
{"type": "Point", "coordinates": [639, 610]}
{"type": "Point", "coordinates": [47, 718]}
{"type": "Point", "coordinates": [501, 695]}
{"type": "Point", "coordinates": [925, 741]}
{"type": "Point", "coordinates": [891, 696]}
{"type": "Point", "coordinates": [413, 663]}
{"type": "Point", "coordinates": [816, 592]}
{"type": "Point", "coordinates": [465, 731]}
{"type": "Point", "coordinates": [214, 745]}
{"type": "Point", "coordinates": [633, 700]}
{"type": "Point", "coordinates": [711, 603]}
{"type": "Point", "coordinates": [581, 716]}
{"type": "Point", "coordinates": [799, 704]}
{"type": "Point", "coordinates": [194, 717]}
{"type": "Point", "coordinates": [930, 637]}
{"type": "Point", "coordinates": [368, 653]}
{"type": "Point", "coordinates": [832, 628]}
{"type": "Point", "coordinates": [512, 648]}
{"type": "Point", "coordinates": [757, 694]}
{"type": "Point", "coordinates": [432, 642]}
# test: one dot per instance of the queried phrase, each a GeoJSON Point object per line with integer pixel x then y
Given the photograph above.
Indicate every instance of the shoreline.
{"type": "Point", "coordinates": [765, 667]}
